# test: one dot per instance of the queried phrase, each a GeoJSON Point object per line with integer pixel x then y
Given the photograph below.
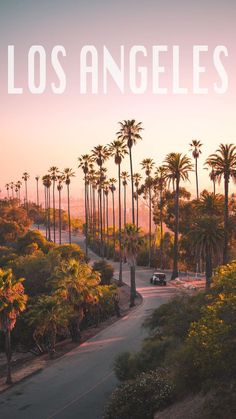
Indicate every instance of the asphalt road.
{"type": "Point", "coordinates": [78, 385]}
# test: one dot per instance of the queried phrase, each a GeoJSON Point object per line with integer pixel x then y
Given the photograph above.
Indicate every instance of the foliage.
{"type": "Point", "coordinates": [106, 271]}
{"type": "Point", "coordinates": [140, 398]}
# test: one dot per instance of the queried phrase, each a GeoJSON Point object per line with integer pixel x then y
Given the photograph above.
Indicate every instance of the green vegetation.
{"type": "Point", "coordinates": [192, 341]}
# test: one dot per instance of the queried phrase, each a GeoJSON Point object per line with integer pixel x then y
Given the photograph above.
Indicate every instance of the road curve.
{"type": "Point", "coordinates": [78, 385]}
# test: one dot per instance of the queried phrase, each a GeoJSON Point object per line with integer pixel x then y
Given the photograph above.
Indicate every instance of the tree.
{"type": "Point", "coordinates": [118, 149]}
{"type": "Point", "coordinates": [84, 161]}
{"type": "Point", "coordinates": [160, 183]}
{"type": "Point", "coordinates": [100, 154]}
{"type": "Point", "coordinates": [132, 244]}
{"type": "Point", "coordinates": [37, 192]}
{"type": "Point", "coordinates": [196, 151]}
{"type": "Point", "coordinates": [211, 204]}
{"type": "Point", "coordinates": [7, 186]}
{"type": "Point", "coordinates": [68, 174]}
{"type": "Point", "coordinates": [25, 178]}
{"type": "Point", "coordinates": [113, 189]}
{"type": "Point", "coordinates": [18, 186]}
{"type": "Point", "coordinates": [125, 177]}
{"type": "Point", "coordinates": [47, 185]}
{"type": "Point", "coordinates": [137, 178]}
{"type": "Point", "coordinates": [54, 171]}
{"type": "Point", "coordinates": [130, 133]}
{"type": "Point", "coordinates": [177, 168]}
{"type": "Point", "coordinates": [147, 165]}
{"type": "Point", "coordinates": [12, 303]}
{"type": "Point", "coordinates": [206, 237]}
{"type": "Point", "coordinates": [223, 161]}
{"type": "Point", "coordinates": [60, 180]}
{"type": "Point", "coordinates": [49, 315]}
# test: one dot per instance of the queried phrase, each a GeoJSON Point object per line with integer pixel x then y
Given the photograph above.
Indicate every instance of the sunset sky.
{"type": "Point", "coordinates": [38, 131]}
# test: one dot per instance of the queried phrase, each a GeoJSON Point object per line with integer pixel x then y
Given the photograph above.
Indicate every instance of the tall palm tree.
{"type": "Point", "coordinates": [147, 165]}
{"type": "Point", "coordinates": [12, 303]}
{"type": "Point", "coordinates": [113, 189]}
{"type": "Point", "coordinates": [84, 161]}
{"type": "Point", "coordinates": [100, 154]}
{"type": "Point", "coordinates": [177, 168]}
{"type": "Point", "coordinates": [224, 163]}
{"type": "Point", "coordinates": [60, 180]}
{"type": "Point", "coordinates": [68, 174]}
{"type": "Point", "coordinates": [18, 185]}
{"type": "Point", "coordinates": [47, 185]}
{"type": "Point", "coordinates": [37, 193]}
{"type": "Point", "coordinates": [124, 176]}
{"type": "Point", "coordinates": [130, 133]}
{"type": "Point", "coordinates": [210, 204]}
{"type": "Point", "coordinates": [25, 178]}
{"type": "Point", "coordinates": [206, 237]}
{"type": "Point", "coordinates": [196, 151]}
{"type": "Point", "coordinates": [12, 186]}
{"type": "Point", "coordinates": [137, 179]}
{"type": "Point", "coordinates": [106, 195]}
{"type": "Point", "coordinates": [118, 150]}
{"type": "Point", "coordinates": [7, 186]}
{"type": "Point", "coordinates": [160, 185]}
{"type": "Point", "coordinates": [132, 245]}
{"type": "Point", "coordinates": [54, 173]}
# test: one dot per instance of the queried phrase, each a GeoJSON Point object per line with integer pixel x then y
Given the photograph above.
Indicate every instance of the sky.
{"type": "Point", "coordinates": [39, 131]}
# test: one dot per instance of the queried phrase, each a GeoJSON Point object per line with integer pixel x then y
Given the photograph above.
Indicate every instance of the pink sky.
{"type": "Point", "coordinates": [40, 131]}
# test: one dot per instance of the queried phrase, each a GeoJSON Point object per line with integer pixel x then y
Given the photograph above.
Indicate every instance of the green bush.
{"type": "Point", "coordinates": [106, 270]}
{"type": "Point", "coordinates": [140, 398]}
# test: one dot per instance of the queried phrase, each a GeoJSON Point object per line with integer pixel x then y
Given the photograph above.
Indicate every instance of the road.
{"type": "Point", "coordinates": [78, 385]}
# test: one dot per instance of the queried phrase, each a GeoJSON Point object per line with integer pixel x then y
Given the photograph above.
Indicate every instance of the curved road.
{"type": "Point", "coordinates": [78, 385]}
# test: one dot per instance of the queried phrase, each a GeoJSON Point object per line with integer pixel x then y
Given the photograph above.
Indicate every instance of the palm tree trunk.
{"type": "Point", "coordinates": [137, 202]}
{"type": "Point", "coordinates": [101, 222]}
{"type": "Point", "coordinates": [161, 226]}
{"type": "Point", "coordinates": [150, 228]}
{"type": "Point", "coordinates": [26, 196]}
{"type": "Point", "coordinates": [113, 223]}
{"type": "Point", "coordinates": [49, 215]}
{"type": "Point", "coordinates": [226, 220]}
{"type": "Point", "coordinates": [86, 214]}
{"type": "Point", "coordinates": [132, 183]}
{"type": "Point", "coordinates": [8, 356]}
{"type": "Point", "coordinates": [68, 205]}
{"type": "Point", "coordinates": [120, 253]}
{"type": "Point", "coordinates": [124, 206]}
{"type": "Point", "coordinates": [175, 272]}
{"type": "Point", "coordinates": [214, 187]}
{"type": "Point", "coordinates": [37, 187]}
{"type": "Point", "coordinates": [59, 216]}
{"type": "Point", "coordinates": [196, 174]}
{"type": "Point", "coordinates": [107, 222]}
{"type": "Point", "coordinates": [45, 211]}
{"type": "Point", "coordinates": [132, 286]}
{"type": "Point", "coordinates": [54, 211]}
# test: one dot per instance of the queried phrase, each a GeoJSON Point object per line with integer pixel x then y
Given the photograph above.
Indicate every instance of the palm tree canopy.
{"type": "Point", "coordinates": [132, 242]}
{"type": "Point", "coordinates": [12, 299]}
{"type": "Point", "coordinates": [206, 236]}
{"type": "Point", "coordinates": [25, 176]}
{"type": "Point", "coordinates": [147, 165]}
{"type": "Point", "coordinates": [210, 204]}
{"type": "Point", "coordinates": [84, 162]}
{"type": "Point", "coordinates": [100, 154]}
{"type": "Point", "coordinates": [124, 176]}
{"type": "Point", "coordinates": [54, 173]}
{"type": "Point", "coordinates": [130, 132]}
{"type": "Point", "coordinates": [177, 167]}
{"type": "Point", "coordinates": [118, 149]}
{"type": "Point", "coordinates": [195, 148]}
{"type": "Point", "coordinates": [223, 161]}
{"type": "Point", "coordinates": [68, 174]}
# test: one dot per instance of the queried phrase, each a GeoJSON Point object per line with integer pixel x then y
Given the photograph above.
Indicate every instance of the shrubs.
{"type": "Point", "coordinates": [140, 398]}
{"type": "Point", "coordinates": [105, 269]}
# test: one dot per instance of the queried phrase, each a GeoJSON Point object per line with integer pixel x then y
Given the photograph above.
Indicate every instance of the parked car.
{"type": "Point", "coordinates": [158, 278]}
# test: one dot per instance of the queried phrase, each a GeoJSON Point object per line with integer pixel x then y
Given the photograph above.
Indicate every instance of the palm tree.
{"type": "Point", "coordinates": [60, 179]}
{"type": "Point", "coordinates": [132, 245]}
{"type": "Point", "coordinates": [54, 173]}
{"type": "Point", "coordinates": [130, 132]}
{"type": "Point", "coordinates": [12, 186]}
{"type": "Point", "coordinates": [106, 195]}
{"type": "Point", "coordinates": [37, 193]}
{"type": "Point", "coordinates": [118, 149]}
{"type": "Point", "coordinates": [147, 165]}
{"type": "Point", "coordinates": [18, 185]}
{"type": "Point", "coordinates": [113, 189]}
{"type": "Point", "coordinates": [196, 151]}
{"type": "Point", "coordinates": [210, 204]}
{"type": "Point", "coordinates": [84, 161]}
{"type": "Point", "coordinates": [47, 185]}
{"type": "Point", "coordinates": [25, 178]}
{"type": "Point", "coordinates": [137, 178]}
{"type": "Point", "coordinates": [12, 303]}
{"type": "Point", "coordinates": [160, 182]}
{"type": "Point", "coordinates": [176, 168]}
{"type": "Point", "coordinates": [124, 177]}
{"type": "Point", "coordinates": [7, 186]}
{"type": "Point", "coordinates": [68, 174]}
{"type": "Point", "coordinates": [223, 161]}
{"type": "Point", "coordinates": [100, 154]}
{"type": "Point", "coordinates": [206, 237]}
